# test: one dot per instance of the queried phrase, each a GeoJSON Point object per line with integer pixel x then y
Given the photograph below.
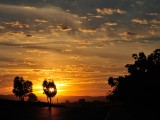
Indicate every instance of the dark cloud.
{"type": "Point", "coordinates": [28, 18]}
{"type": "Point", "coordinates": [5, 59]}
{"type": "Point", "coordinates": [124, 13]}
{"type": "Point", "coordinates": [39, 46]}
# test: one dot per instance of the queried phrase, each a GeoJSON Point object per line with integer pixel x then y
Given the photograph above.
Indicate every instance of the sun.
{"type": "Point", "coordinates": [51, 89]}
{"type": "Point", "coordinates": [61, 89]}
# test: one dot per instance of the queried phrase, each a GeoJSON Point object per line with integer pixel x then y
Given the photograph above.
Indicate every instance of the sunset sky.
{"type": "Point", "coordinates": [77, 43]}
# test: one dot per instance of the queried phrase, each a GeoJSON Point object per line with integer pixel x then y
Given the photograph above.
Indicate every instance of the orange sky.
{"type": "Point", "coordinates": [77, 48]}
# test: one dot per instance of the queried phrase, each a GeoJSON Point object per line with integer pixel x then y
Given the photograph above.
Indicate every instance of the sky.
{"type": "Point", "coordinates": [77, 43]}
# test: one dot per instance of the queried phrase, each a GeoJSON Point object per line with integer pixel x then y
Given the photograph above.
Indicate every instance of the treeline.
{"type": "Point", "coordinates": [23, 88]}
{"type": "Point", "coordinates": [142, 83]}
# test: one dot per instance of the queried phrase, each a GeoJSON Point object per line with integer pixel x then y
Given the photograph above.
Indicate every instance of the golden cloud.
{"type": "Point", "coordinates": [140, 21]}
{"type": "Point", "coordinates": [16, 24]}
{"type": "Point", "coordinates": [111, 23]}
{"type": "Point", "coordinates": [110, 11]}
{"type": "Point", "coordinates": [86, 30]}
{"type": "Point", "coordinates": [40, 21]}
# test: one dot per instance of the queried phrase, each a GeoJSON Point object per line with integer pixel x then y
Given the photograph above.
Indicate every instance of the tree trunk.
{"type": "Point", "coordinates": [50, 101]}
{"type": "Point", "coordinates": [22, 99]}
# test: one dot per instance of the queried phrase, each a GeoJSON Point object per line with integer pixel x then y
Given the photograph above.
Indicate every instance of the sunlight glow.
{"type": "Point", "coordinates": [78, 50]}
{"type": "Point", "coordinates": [51, 89]}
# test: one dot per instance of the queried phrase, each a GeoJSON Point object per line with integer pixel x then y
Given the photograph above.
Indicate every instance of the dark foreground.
{"type": "Point", "coordinates": [16, 111]}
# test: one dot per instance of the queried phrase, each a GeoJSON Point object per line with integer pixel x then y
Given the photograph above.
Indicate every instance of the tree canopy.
{"type": "Point", "coordinates": [49, 88]}
{"type": "Point", "coordinates": [21, 87]}
{"type": "Point", "coordinates": [142, 83]}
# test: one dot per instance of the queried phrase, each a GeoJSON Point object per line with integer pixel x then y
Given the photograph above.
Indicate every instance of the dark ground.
{"type": "Point", "coordinates": [16, 110]}
{"type": "Point", "coordinates": [11, 110]}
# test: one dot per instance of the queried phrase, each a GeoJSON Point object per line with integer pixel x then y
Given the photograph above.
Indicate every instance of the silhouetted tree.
{"type": "Point", "coordinates": [32, 97]}
{"type": "Point", "coordinates": [49, 89]}
{"type": "Point", "coordinates": [21, 87]}
{"type": "Point", "coordinates": [142, 83]}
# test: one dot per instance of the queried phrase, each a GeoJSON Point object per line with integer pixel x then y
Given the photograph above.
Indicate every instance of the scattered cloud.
{"type": "Point", "coordinates": [110, 23]}
{"type": "Point", "coordinates": [35, 18]}
{"type": "Point", "coordinates": [86, 30]}
{"type": "Point", "coordinates": [16, 24]}
{"type": "Point", "coordinates": [110, 11]}
{"type": "Point", "coordinates": [154, 21]}
{"type": "Point", "coordinates": [128, 33]}
{"type": "Point", "coordinates": [140, 21]}
{"type": "Point", "coordinates": [40, 21]}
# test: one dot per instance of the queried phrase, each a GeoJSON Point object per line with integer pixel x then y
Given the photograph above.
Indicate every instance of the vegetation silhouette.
{"type": "Point", "coordinates": [21, 87]}
{"type": "Point", "coordinates": [139, 90]}
{"type": "Point", "coordinates": [32, 97]}
{"type": "Point", "coordinates": [49, 89]}
{"type": "Point", "coordinates": [142, 82]}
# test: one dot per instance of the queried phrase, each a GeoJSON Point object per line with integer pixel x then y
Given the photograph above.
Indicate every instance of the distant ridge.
{"type": "Point", "coordinates": [8, 97]}
{"type": "Point", "coordinates": [87, 98]}
{"type": "Point", "coordinates": [60, 98]}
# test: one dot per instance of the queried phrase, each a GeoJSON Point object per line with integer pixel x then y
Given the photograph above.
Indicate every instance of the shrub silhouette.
{"type": "Point", "coordinates": [142, 83]}
{"type": "Point", "coordinates": [21, 87]}
{"type": "Point", "coordinates": [32, 97]}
